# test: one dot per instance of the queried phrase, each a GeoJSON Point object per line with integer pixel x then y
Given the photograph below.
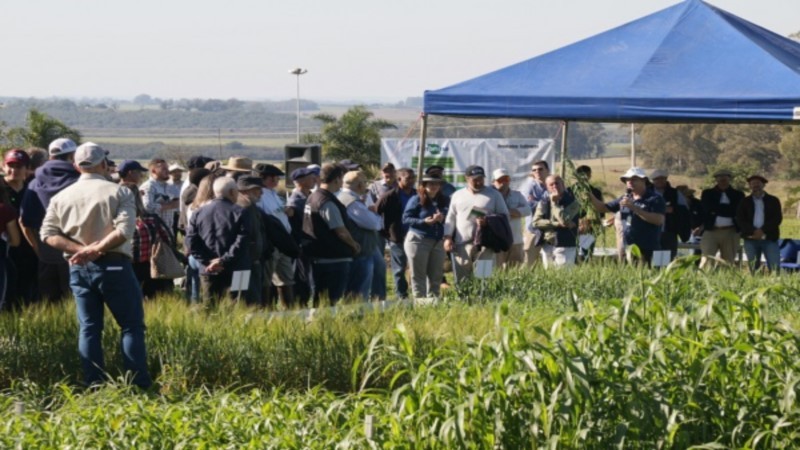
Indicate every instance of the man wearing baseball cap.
{"type": "Point", "coordinates": [469, 206]}
{"type": "Point", "coordinates": [518, 209]}
{"type": "Point", "coordinates": [92, 223]}
{"type": "Point", "coordinates": [304, 180]}
{"type": "Point", "coordinates": [54, 176]}
{"type": "Point", "coordinates": [21, 280]}
{"type": "Point", "coordinates": [642, 213]}
{"type": "Point", "coordinates": [759, 217]}
{"type": "Point", "coordinates": [720, 231]}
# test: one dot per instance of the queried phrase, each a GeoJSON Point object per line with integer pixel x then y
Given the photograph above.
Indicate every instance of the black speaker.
{"type": "Point", "coordinates": [296, 156]}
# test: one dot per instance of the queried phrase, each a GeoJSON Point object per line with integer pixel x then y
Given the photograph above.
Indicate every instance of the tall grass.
{"type": "Point", "coordinates": [598, 357]}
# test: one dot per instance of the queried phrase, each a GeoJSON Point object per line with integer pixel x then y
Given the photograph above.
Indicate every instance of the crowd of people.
{"type": "Point", "coordinates": [328, 236]}
{"type": "Point", "coordinates": [74, 221]}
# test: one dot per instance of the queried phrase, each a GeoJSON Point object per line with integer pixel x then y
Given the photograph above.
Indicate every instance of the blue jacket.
{"type": "Point", "coordinates": [415, 214]}
{"type": "Point", "coordinates": [220, 230]}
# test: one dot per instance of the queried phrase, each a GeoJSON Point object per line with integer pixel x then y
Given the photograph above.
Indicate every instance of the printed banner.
{"type": "Point", "coordinates": [455, 155]}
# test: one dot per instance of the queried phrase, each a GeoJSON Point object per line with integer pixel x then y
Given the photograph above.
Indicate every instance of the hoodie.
{"type": "Point", "coordinates": [50, 179]}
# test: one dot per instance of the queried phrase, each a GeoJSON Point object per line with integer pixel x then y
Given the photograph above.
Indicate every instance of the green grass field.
{"type": "Point", "coordinates": [597, 357]}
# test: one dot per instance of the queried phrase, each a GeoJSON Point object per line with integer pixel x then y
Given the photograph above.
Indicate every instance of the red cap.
{"type": "Point", "coordinates": [16, 155]}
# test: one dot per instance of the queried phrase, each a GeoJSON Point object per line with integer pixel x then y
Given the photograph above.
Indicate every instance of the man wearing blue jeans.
{"type": "Point", "coordinates": [391, 206]}
{"type": "Point", "coordinates": [332, 246]}
{"type": "Point", "coordinates": [759, 218]}
{"type": "Point", "coordinates": [367, 225]}
{"type": "Point", "coordinates": [92, 222]}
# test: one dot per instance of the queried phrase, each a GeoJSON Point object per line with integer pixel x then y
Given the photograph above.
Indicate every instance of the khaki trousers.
{"type": "Point", "coordinates": [532, 252]}
{"type": "Point", "coordinates": [465, 256]}
{"type": "Point", "coordinates": [725, 241]}
{"type": "Point", "coordinates": [512, 258]}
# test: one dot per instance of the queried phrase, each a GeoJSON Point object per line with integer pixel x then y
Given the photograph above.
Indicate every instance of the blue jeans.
{"type": "Point", "coordinates": [193, 280]}
{"type": "Point", "coordinates": [110, 282]}
{"type": "Point", "coordinates": [330, 279]}
{"type": "Point", "coordinates": [399, 264]}
{"type": "Point", "coordinates": [360, 279]}
{"type": "Point", "coordinates": [755, 248]}
{"type": "Point", "coordinates": [379, 273]}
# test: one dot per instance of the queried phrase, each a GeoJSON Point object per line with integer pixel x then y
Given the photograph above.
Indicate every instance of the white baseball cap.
{"type": "Point", "coordinates": [89, 155]}
{"type": "Point", "coordinates": [499, 173]}
{"type": "Point", "coordinates": [634, 172]}
{"type": "Point", "coordinates": [61, 146]}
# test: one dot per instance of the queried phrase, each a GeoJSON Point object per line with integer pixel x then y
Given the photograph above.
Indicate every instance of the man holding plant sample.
{"type": "Point", "coordinates": [468, 208]}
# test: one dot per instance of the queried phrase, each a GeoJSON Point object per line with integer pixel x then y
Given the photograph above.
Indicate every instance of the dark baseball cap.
{"type": "Point", "coordinates": [129, 165]}
{"type": "Point", "coordinates": [300, 173]}
{"type": "Point", "coordinates": [474, 171]}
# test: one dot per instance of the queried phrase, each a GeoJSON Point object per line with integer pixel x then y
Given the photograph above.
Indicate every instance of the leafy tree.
{"type": "Point", "coordinates": [40, 130]}
{"type": "Point", "coordinates": [750, 145]}
{"type": "Point", "coordinates": [355, 135]}
{"type": "Point", "coordinates": [790, 150]}
{"type": "Point", "coordinates": [686, 148]}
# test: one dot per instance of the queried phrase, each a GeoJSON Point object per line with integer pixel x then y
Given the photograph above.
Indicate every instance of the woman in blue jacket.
{"type": "Point", "coordinates": [424, 247]}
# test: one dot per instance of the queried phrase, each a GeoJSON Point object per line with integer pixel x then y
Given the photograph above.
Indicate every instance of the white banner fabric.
{"type": "Point", "coordinates": [455, 155]}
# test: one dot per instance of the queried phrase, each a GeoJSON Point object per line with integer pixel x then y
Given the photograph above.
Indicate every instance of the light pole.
{"type": "Point", "coordinates": [298, 71]}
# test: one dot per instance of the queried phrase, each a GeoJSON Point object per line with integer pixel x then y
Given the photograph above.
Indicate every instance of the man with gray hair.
{"type": "Point", "coordinates": [557, 217]}
{"type": "Point", "coordinates": [365, 232]}
{"type": "Point", "coordinates": [217, 238]}
{"type": "Point", "coordinates": [92, 222]}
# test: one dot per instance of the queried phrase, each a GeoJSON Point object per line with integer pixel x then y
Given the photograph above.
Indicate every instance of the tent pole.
{"type": "Point", "coordinates": [633, 146]}
{"type": "Point", "coordinates": [564, 129]}
{"type": "Point", "coordinates": [423, 134]}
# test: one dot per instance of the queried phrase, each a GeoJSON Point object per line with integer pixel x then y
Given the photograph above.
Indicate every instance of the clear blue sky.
{"type": "Point", "coordinates": [353, 49]}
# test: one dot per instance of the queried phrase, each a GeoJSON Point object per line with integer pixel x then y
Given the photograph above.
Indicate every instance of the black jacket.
{"type": "Point", "coordinates": [391, 209]}
{"type": "Point", "coordinates": [773, 216]}
{"type": "Point", "coordinates": [220, 230]}
{"type": "Point", "coordinates": [712, 208]}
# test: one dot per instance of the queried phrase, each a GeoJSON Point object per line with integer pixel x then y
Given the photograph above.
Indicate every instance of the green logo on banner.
{"type": "Point", "coordinates": [434, 149]}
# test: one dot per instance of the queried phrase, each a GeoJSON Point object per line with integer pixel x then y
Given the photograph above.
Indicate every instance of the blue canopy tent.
{"type": "Point", "coordinates": [691, 62]}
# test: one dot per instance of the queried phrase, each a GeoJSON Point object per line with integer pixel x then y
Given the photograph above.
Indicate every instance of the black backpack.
{"type": "Point", "coordinates": [495, 235]}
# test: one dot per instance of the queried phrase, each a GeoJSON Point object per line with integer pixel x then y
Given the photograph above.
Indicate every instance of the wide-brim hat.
{"type": "Point", "coordinates": [432, 179]}
{"type": "Point", "coordinates": [266, 170]}
{"type": "Point", "coordinates": [239, 164]}
{"type": "Point", "coordinates": [633, 172]}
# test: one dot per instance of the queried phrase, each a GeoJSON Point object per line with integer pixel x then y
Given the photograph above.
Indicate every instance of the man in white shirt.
{"type": "Point", "coordinates": [367, 225]}
{"type": "Point", "coordinates": [156, 195]}
{"type": "Point", "coordinates": [468, 207]}
{"type": "Point", "coordinates": [534, 190]}
{"type": "Point", "coordinates": [281, 268]}
{"type": "Point", "coordinates": [518, 208]}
